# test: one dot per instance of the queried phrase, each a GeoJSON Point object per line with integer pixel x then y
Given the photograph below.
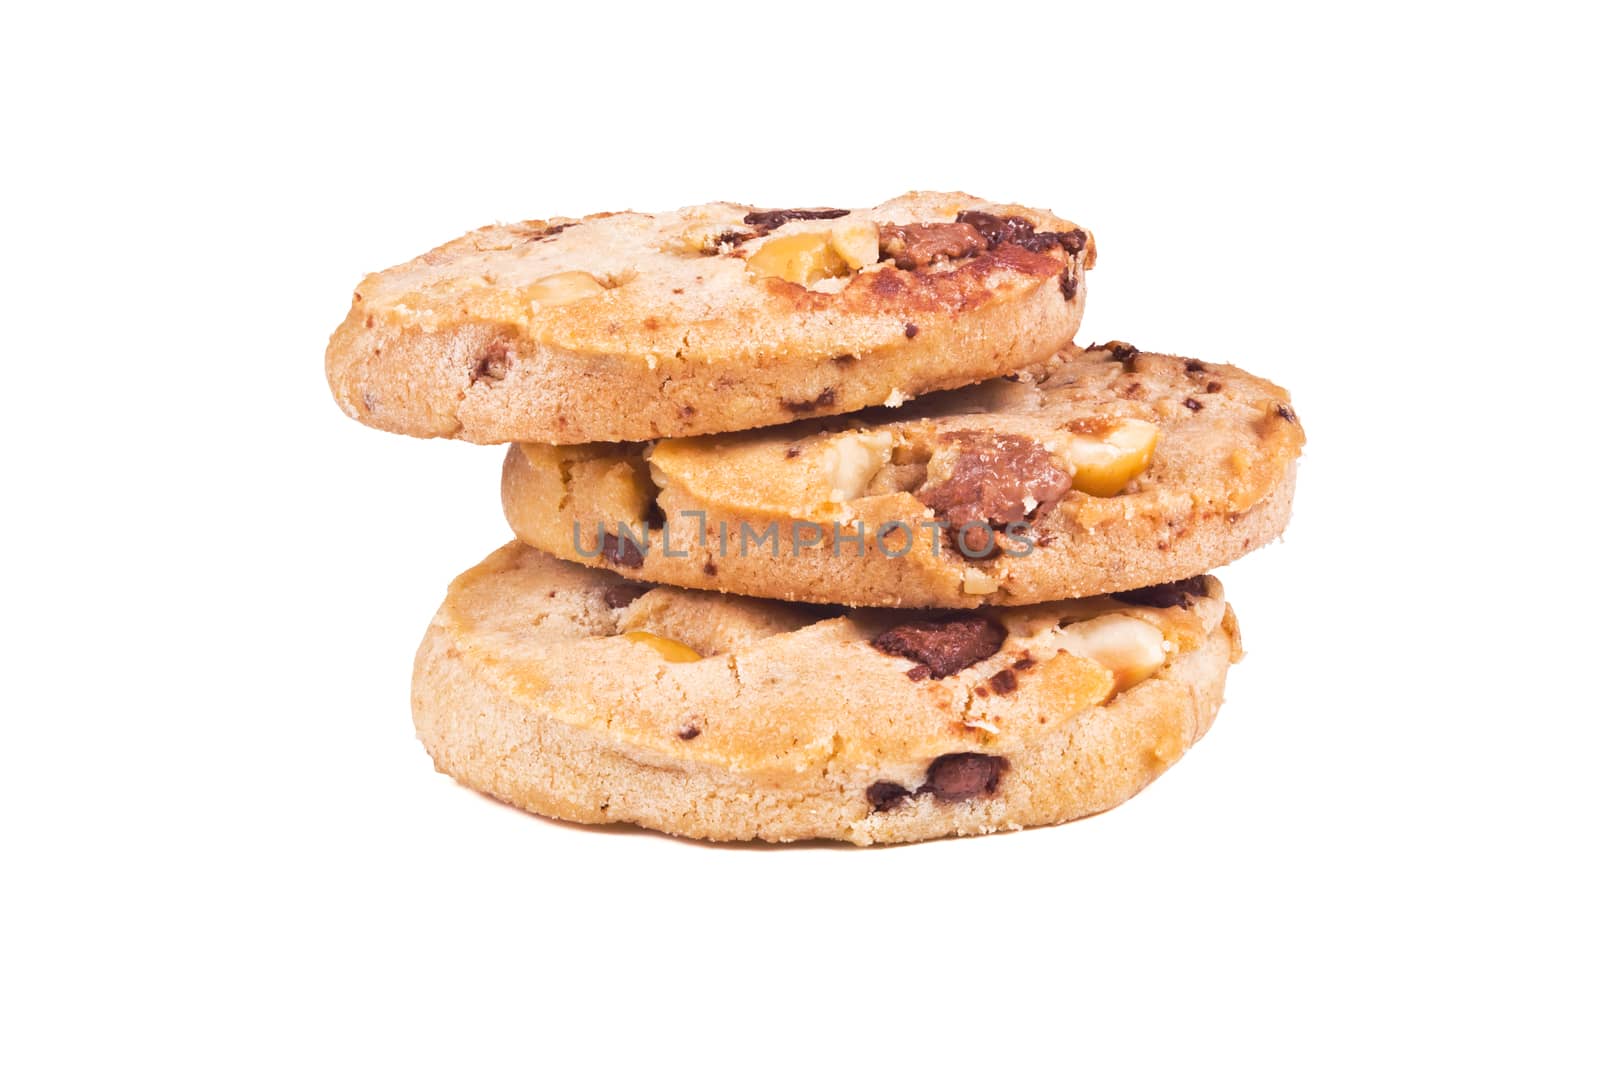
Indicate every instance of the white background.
{"type": "Point", "coordinates": [222, 843]}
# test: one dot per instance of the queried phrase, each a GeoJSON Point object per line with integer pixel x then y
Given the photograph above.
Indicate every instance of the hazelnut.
{"type": "Point", "coordinates": [852, 460]}
{"type": "Point", "coordinates": [1103, 463]}
{"type": "Point", "coordinates": [1131, 649]}
{"type": "Point", "coordinates": [803, 258]}
{"type": "Point", "coordinates": [978, 584]}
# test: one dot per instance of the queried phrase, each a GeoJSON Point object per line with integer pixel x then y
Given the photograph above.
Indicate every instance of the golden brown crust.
{"type": "Point", "coordinates": [794, 725]}
{"type": "Point", "coordinates": [1220, 483]}
{"type": "Point", "coordinates": [679, 335]}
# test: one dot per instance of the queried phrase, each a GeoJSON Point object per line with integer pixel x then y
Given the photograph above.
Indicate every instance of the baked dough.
{"type": "Point", "coordinates": [739, 719]}
{"type": "Point", "coordinates": [1219, 483]}
{"type": "Point", "coordinates": [631, 326]}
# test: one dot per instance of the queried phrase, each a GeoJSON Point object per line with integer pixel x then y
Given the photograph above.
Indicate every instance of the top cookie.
{"type": "Point", "coordinates": [631, 326]}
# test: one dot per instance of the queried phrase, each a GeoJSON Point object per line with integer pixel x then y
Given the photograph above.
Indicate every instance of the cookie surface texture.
{"type": "Point", "coordinates": [632, 326]}
{"type": "Point", "coordinates": [573, 693]}
{"type": "Point", "coordinates": [1099, 470]}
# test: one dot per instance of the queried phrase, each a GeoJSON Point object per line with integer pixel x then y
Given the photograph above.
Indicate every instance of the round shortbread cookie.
{"type": "Point", "coordinates": [1100, 470]}
{"type": "Point", "coordinates": [576, 694]}
{"type": "Point", "coordinates": [631, 326]}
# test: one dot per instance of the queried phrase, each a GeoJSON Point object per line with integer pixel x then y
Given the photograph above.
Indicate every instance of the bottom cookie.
{"type": "Point", "coordinates": [576, 694]}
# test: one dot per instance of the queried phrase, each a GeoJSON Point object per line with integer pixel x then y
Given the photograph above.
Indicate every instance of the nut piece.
{"type": "Point", "coordinates": [977, 583]}
{"type": "Point", "coordinates": [671, 651]}
{"type": "Point", "coordinates": [1104, 463]}
{"type": "Point", "coordinates": [804, 258]}
{"type": "Point", "coordinates": [564, 288]}
{"type": "Point", "coordinates": [856, 243]}
{"type": "Point", "coordinates": [1131, 649]}
{"type": "Point", "coordinates": [851, 462]}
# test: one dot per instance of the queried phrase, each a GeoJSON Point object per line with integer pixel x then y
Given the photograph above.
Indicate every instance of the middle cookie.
{"type": "Point", "coordinates": [1105, 469]}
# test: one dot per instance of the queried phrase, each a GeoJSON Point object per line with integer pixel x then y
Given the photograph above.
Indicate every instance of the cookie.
{"type": "Point", "coordinates": [574, 693]}
{"type": "Point", "coordinates": [1103, 469]}
{"type": "Point", "coordinates": [631, 326]}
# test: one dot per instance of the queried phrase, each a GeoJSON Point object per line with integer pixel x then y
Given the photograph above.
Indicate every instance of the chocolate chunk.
{"type": "Point", "coordinates": [883, 796]}
{"type": "Point", "coordinates": [654, 517]}
{"type": "Point", "coordinates": [791, 452]}
{"type": "Point", "coordinates": [495, 363]}
{"type": "Point", "coordinates": [821, 400]}
{"type": "Point", "coordinates": [1024, 663]}
{"type": "Point", "coordinates": [919, 244]}
{"type": "Point", "coordinates": [1015, 230]}
{"type": "Point", "coordinates": [1069, 285]}
{"type": "Point", "coordinates": [1213, 387]}
{"type": "Point", "coordinates": [689, 733]}
{"type": "Point", "coordinates": [1192, 404]}
{"type": "Point", "coordinates": [911, 330]}
{"type": "Point", "coordinates": [709, 567]}
{"type": "Point", "coordinates": [766, 221]}
{"type": "Point", "coordinates": [621, 596]}
{"type": "Point", "coordinates": [1183, 592]}
{"type": "Point", "coordinates": [1194, 367]}
{"type": "Point", "coordinates": [619, 550]}
{"type": "Point", "coordinates": [963, 776]}
{"type": "Point", "coordinates": [1004, 681]}
{"type": "Point", "coordinates": [528, 233]}
{"type": "Point", "coordinates": [998, 229]}
{"type": "Point", "coordinates": [992, 478]}
{"type": "Point", "coordinates": [943, 646]}
{"type": "Point", "coordinates": [1286, 412]}
{"type": "Point", "coordinates": [727, 237]}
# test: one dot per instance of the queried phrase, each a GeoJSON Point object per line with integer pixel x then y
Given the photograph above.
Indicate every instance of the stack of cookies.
{"type": "Point", "coordinates": [825, 527]}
